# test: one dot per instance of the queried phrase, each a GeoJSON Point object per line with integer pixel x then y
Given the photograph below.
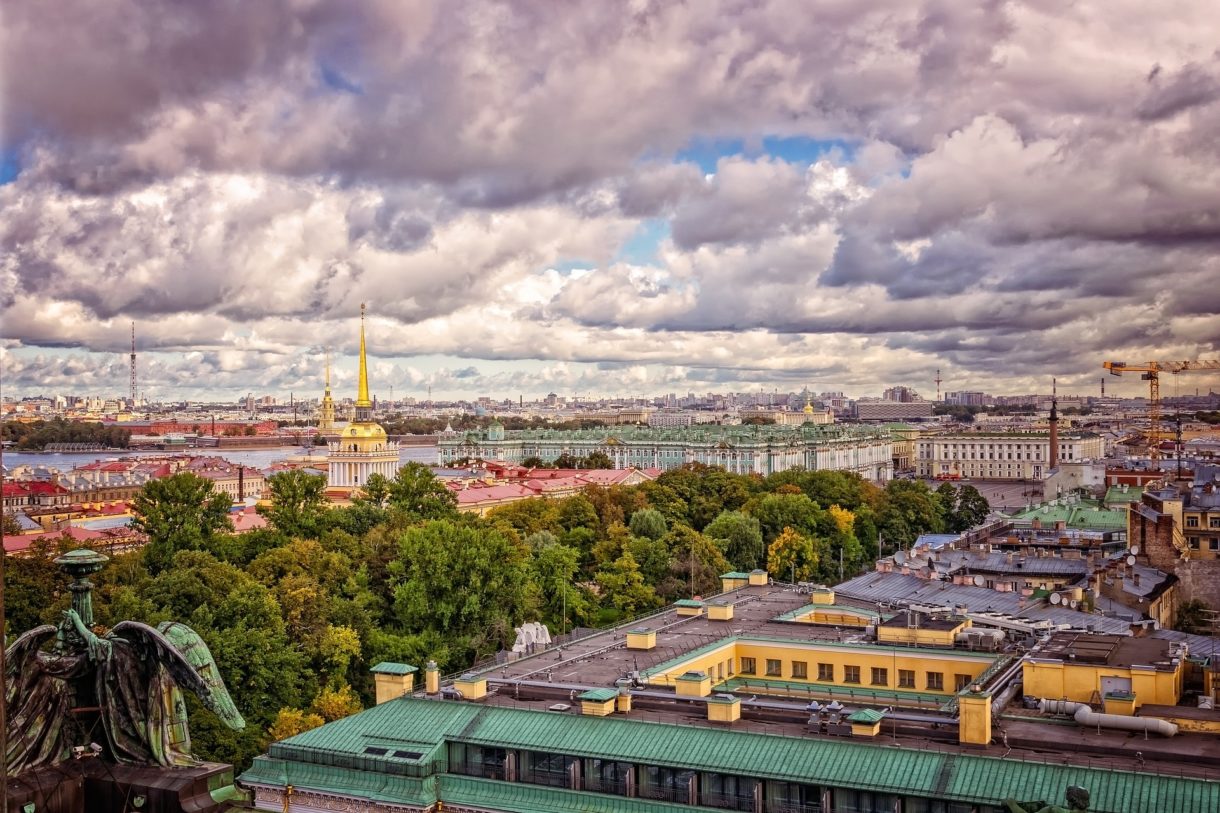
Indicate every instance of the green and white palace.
{"type": "Point", "coordinates": [739, 449]}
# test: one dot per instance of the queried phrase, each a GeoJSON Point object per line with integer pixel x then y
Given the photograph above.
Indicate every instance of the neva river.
{"type": "Point", "coordinates": [256, 458]}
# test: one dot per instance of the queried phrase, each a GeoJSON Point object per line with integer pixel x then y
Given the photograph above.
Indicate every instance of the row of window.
{"type": "Point", "coordinates": [878, 676]}
{"type": "Point", "coordinates": [1193, 522]}
{"type": "Point", "coordinates": [683, 785]}
{"type": "Point", "coordinates": [1197, 544]}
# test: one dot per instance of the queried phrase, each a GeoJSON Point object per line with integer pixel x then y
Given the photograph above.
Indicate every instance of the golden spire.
{"type": "Point", "coordinates": [362, 395]}
{"type": "Point", "coordinates": [328, 371]}
{"type": "Point", "coordinates": [808, 402]}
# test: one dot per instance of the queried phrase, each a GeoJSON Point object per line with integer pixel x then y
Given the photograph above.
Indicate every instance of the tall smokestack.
{"type": "Point", "coordinates": [1103, 388]}
{"type": "Point", "coordinates": [1054, 424]}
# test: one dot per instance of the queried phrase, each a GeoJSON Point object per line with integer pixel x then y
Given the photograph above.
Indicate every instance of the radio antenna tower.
{"type": "Point", "coordinates": [133, 365]}
{"type": "Point", "coordinates": [938, 380]}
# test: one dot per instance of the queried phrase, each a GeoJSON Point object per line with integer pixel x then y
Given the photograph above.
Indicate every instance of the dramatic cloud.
{"type": "Point", "coordinates": [598, 198]}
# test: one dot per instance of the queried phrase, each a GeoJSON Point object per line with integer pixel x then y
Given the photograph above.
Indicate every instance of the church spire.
{"type": "Point", "coordinates": [362, 395]}
{"type": "Point", "coordinates": [328, 372]}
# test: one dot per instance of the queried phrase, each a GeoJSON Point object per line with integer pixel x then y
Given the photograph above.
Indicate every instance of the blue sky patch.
{"type": "Point", "coordinates": [794, 150]}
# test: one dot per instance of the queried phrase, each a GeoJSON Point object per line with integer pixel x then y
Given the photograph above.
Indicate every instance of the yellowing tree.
{"type": "Point", "coordinates": [334, 704]}
{"type": "Point", "coordinates": [792, 555]}
{"type": "Point", "coordinates": [845, 520]}
{"type": "Point", "coordinates": [290, 722]}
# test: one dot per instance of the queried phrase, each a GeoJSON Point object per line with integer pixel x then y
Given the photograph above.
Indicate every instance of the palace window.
{"type": "Point", "coordinates": [826, 672]}
{"type": "Point", "coordinates": [851, 674]}
{"type": "Point", "coordinates": [747, 666]}
{"type": "Point", "coordinates": [881, 677]}
{"type": "Point", "coordinates": [800, 670]}
{"type": "Point", "coordinates": [936, 681]}
{"type": "Point", "coordinates": [774, 667]}
{"type": "Point", "coordinates": [906, 678]}
{"type": "Point", "coordinates": [961, 681]}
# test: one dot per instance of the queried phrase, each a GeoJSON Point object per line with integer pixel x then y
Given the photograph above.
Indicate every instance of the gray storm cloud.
{"type": "Point", "coordinates": [1008, 180]}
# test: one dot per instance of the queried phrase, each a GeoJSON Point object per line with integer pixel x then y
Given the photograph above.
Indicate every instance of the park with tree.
{"type": "Point", "coordinates": [297, 612]}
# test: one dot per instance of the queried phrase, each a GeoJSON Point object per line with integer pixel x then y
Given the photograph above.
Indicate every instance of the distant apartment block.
{"type": "Point", "coordinates": [893, 410]}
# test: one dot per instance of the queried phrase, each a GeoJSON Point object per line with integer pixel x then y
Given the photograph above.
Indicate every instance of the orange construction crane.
{"type": "Point", "coordinates": [1151, 371]}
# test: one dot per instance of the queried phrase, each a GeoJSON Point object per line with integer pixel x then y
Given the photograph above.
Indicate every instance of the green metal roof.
{"type": "Point", "coordinates": [599, 695]}
{"type": "Point", "coordinates": [866, 716]}
{"type": "Point", "coordinates": [688, 602]}
{"type": "Point", "coordinates": [1084, 515]}
{"type": "Point", "coordinates": [734, 574]}
{"type": "Point", "coordinates": [1123, 494]}
{"type": "Point", "coordinates": [310, 760]}
{"type": "Point", "coordinates": [391, 668]}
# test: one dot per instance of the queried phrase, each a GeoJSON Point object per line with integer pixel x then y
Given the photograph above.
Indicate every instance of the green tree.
{"type": "Point", "coordinates": [739, 535]}
{"type": "Point", "coordinates": [528, 517]}
{"type": "Point", "coordinates": [298, 503]}
{"type": "Point", "coordinates": [577, 511]}
{"type": "Point", "coordinates": [623, 588]}
{"type": "Point", "coordinates": [972, 509]}
{"type": "Point", "coordinates": [179, 512]}
{"type": "Point", "coordinates": [554, 570]}
{"type": "Point", "coordinates": [32, 583]}
{"type": "Point", "coordinates": [695, 564]}
{"type": "Point", "coordinates": [416, 489]}
{"type": "Point", "coordinates": [775, 512]}
{"type": "Point", "coordinates": [465, 581]}
{"type": "Point", "coordinates": [375, 491]}
{"type": "Point", "coordinates": [533, 462]}
{"type": "Point", "coordinates": [648, 523]}
{"type": "Point", "coordinates": [597, 460]}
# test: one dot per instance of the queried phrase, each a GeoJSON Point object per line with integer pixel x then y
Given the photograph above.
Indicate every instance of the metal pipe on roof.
{"type": "Point", "coordinates": [1085, 715]}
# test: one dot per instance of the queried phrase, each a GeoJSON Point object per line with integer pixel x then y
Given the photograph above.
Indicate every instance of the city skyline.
{"type": "Point", "coordinates": [609, 200]}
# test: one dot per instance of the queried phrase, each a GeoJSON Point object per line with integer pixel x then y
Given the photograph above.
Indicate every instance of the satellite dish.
{"type": "Point", "coordinates": [1135, 550]}
{"type": "Point", "coordinates": [1056, 598]}
{"type": "Point", "coordinates": [1074, 604]}
{"type": "Point", "coordinates": [900, 556]}
{"type": "Point", "coordinates": [1130, 560]}
{"type": "Point", "coordinates": [979, 581]}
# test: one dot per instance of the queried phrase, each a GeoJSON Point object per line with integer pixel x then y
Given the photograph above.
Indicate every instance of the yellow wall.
{"type": "Point", "coordinates": [1056, 680]}
{"type": "Point", "coordinates": [724, 662]}
{"type": "Point", "coordinates": [919, 635]}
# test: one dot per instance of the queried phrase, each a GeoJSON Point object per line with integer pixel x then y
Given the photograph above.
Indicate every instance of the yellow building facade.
{"type": "Point", "coordinates": [1120, 672]}
{"type": "Point", "coordinates": [779, 666]}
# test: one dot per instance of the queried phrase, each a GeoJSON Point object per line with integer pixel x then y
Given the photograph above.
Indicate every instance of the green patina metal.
{"type": "Point", "coordinates": [325, 758]}
{"type": "Point", "coordinates": [127, 679]}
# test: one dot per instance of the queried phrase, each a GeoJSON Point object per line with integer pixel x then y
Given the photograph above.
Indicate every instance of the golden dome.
{"type": "Point", "coordinates": [363, 431]}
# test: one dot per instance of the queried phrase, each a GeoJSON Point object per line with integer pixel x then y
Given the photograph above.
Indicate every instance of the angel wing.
{"type": "Point", "coordinates": [197, 654]}
{"type": "Point", "coordinates": [25, 647]}
{"type": "Point", "coordinates": [203, 680]}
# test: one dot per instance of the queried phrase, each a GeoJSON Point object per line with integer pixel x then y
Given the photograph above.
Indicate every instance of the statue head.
{"type": "Point", "coordinates": [1077, 798]}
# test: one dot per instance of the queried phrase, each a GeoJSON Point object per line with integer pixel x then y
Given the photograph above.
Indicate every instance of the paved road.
{"type": "Point", "coordinates": [1002, 494]}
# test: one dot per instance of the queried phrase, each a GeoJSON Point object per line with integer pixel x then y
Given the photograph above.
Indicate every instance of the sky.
{"type": "Point", "coordinates": [608, 198]}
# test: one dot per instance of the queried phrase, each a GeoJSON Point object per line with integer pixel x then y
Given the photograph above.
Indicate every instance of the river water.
{"type": "Point", "coordinates": [256, 458]}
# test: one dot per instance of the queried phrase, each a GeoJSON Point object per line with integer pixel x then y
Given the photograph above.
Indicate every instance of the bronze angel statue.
{"type": "Point", "coordinates": [128, 682]}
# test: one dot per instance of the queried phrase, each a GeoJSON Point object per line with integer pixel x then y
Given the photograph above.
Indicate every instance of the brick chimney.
{"type": "Point", "coordinates": [1135, 578]}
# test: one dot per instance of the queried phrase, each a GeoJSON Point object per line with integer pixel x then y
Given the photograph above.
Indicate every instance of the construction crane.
{"type": "Point", "coordinates": [1151, 372]}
